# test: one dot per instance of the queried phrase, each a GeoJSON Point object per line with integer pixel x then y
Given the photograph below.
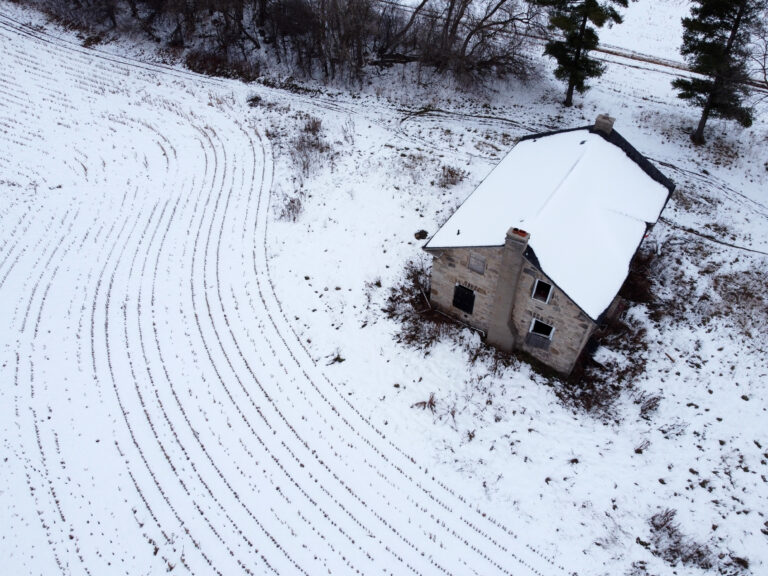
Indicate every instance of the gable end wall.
{"type": "Point", "coordinates": [572, 326]}
{"type": "Point", "coordinates": [451, 267]}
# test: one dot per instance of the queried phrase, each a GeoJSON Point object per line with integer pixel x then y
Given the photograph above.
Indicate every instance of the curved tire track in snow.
{"type": "Point", "coordinates": [199, 434]}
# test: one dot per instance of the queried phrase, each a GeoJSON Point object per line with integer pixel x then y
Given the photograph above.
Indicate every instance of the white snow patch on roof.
{"type": "Point", "coordinates": [583, 201]}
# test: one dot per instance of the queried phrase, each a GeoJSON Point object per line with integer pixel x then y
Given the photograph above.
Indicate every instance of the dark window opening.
{"type": "Point", "coordinates": [464, 299]}
{"type": "Point", "coordinates": [542, 291]}
{"type": "Point", "coordinates": [540, 335]}
{"type": "Point", "coordinates": [541, 329]}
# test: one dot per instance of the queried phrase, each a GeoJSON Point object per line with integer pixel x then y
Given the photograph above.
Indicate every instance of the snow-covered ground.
{"type": "Point", "coordinates": [653, 28]}
{"type": "Point", "coordinates": [195, 374]}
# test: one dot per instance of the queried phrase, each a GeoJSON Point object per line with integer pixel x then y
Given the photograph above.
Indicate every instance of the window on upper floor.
{"type": "Point", "coordinates": [542, 291]}
{"type": "Point", "coordinates": [476, 263]}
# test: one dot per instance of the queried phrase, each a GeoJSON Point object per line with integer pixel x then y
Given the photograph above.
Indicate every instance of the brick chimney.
{"type": "Point", "coordinates": [604, 124]}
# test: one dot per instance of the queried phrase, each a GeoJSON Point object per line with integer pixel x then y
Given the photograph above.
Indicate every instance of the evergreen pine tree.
{"type": "Point", "coordinates": [572, 19]}
{"type": "Point", "coordinates": [716, 40]}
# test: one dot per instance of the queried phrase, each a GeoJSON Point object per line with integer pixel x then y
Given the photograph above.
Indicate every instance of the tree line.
{"type": "Point", "coordinates": [725, 42]}
{"type": "Point", "coordinates": [331, 38]}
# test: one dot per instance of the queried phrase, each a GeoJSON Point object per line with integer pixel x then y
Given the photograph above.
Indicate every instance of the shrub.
{"type": "Point", "coordinates": [595, 387]}
{"type": "Point", "coordinates": [291, 207]}
{"type": "Point", "coordinates": [637, 286]}
{"type": "Point", "coordinates": [450, 176]}
{"type": "Point", "coordinates": [430, 403]}
{"type": "Point", "coordinates": [669, 544]}
{"type": "Point", "coordinates": [420, 325]}
{"type": "Point", "coordinates": [309, 145]}
{"type": "Point", "coordinates": [216, 63]}
{"type": "Point", "coordinates": [649, 403]}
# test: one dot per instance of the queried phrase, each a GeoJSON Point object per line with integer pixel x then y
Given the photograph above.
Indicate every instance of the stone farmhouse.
{"type": "Point", "coordinates": [535, 257]}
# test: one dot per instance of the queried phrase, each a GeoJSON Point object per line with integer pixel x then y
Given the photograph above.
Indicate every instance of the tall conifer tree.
{"type": "Point", "coordinates": [572, 20]}
{"type": "Point", "coordinates": [716, 40]}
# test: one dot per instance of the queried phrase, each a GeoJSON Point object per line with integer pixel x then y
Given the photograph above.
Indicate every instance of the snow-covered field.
{"type": "Point", "coordinates": [195, 374]}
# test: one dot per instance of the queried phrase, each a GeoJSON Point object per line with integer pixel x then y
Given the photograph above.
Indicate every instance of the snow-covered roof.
{"type": "Point", "coordinates": [582, 199]}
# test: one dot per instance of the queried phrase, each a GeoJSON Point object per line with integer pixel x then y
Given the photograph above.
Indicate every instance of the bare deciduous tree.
{"type": "Point", "coordinates": [334, 38]}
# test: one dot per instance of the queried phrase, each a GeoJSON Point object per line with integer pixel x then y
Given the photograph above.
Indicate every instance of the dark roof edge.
{"type": "Point", "coordinates": [618, 140]}
{"type": "Point", "coordinates": [553, 132]}
{"type": "Point", "coordinates": [427, 248]}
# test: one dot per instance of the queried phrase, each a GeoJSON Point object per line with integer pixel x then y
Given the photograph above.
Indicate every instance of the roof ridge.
{"type": "Point", "coordinates": [559, 186]}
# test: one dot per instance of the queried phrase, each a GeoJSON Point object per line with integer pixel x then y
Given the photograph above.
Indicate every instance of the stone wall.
{"type": "Point", "coordinates": [450, 267]}
{"type": "Point", "coordinates": [572, 327]}
{"type": "Point", "coordinates": [504, 307]}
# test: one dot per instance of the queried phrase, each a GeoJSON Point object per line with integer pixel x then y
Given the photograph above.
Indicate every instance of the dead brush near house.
{"type": "Point", "coordinates": [679, 298]}
{"type": "Point", "coordinates": [596, 387]}
{"type": "Point", "coordinates": [420, 326]}
{"type": "Point", "coordinates": [638, 285]}
{"type": "Point", "coordinates": [725, 290]}
{"type": "Point", "coordinates": [744, 295]}
{"type": "Point", "coordinates": [589, 389]}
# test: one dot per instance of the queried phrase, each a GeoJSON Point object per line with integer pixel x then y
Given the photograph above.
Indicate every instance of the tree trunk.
{"type": "Point", "coordinates": [698, 136]}
{"type": "Point", "coordinates": [262, 13]}
{"type": "Point", "coordinates": [481, 25]}
{"type": "Point", "coordinates": [390, 44]}
{"type": "Point", "coordinates": [134, 9]}
{"type": "Point", "coordinates": [446, 25]}
{"type": "Point", "coordinates": [577, 57]}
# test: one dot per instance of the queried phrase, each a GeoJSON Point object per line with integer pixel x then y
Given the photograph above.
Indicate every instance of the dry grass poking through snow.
{"type": "Point", "coordinates": [303, 140]}
{"type": "Point", "coordinates": [420, 326]}
{"type": "Point", "coordinates": [670, 544]}
{"type": "Point", "coordinates": [702, 284]}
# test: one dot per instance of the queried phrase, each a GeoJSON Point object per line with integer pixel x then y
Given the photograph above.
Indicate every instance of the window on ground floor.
{"type": "Point", "coordinates": [464, 299]}
{"type": "Point", "coordinates": [540, 335]}
{"type": "Point", "coordinates": [541, 329]}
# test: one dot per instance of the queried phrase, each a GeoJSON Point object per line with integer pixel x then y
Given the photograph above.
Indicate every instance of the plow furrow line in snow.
{"type": "Point", "coordinates": [92, 56]}
{"type": "Point", "coordinates": [505, 532]}
{"type": "Point", "coordinates": [224, 433]}
{"type": "Point", "coordinates": [220, 347]}
{"type": "Point", "coordinates": [240, 353]}
{"type": "Point", "coordinates": [186, 418]}
{"type": "Point", "coordinates": [119, 397]}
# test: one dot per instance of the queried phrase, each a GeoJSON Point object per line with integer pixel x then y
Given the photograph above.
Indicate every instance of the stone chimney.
{"type": "Point", "coordinates": [517, 236]}
{"type": "Point", "coordinates": [604, 124]}
{"type": "Point", "coordinates": [512, 262]}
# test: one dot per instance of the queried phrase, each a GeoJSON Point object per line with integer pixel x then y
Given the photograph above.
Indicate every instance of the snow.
{"type": "Point", "coordinates": [584, 202]}
{"type": "Point", "coordinates": [169, 399]}
{"type": "Point", "coordinates": [653, 28]}
{"type": "Point", "coordinates": [158, 412]}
